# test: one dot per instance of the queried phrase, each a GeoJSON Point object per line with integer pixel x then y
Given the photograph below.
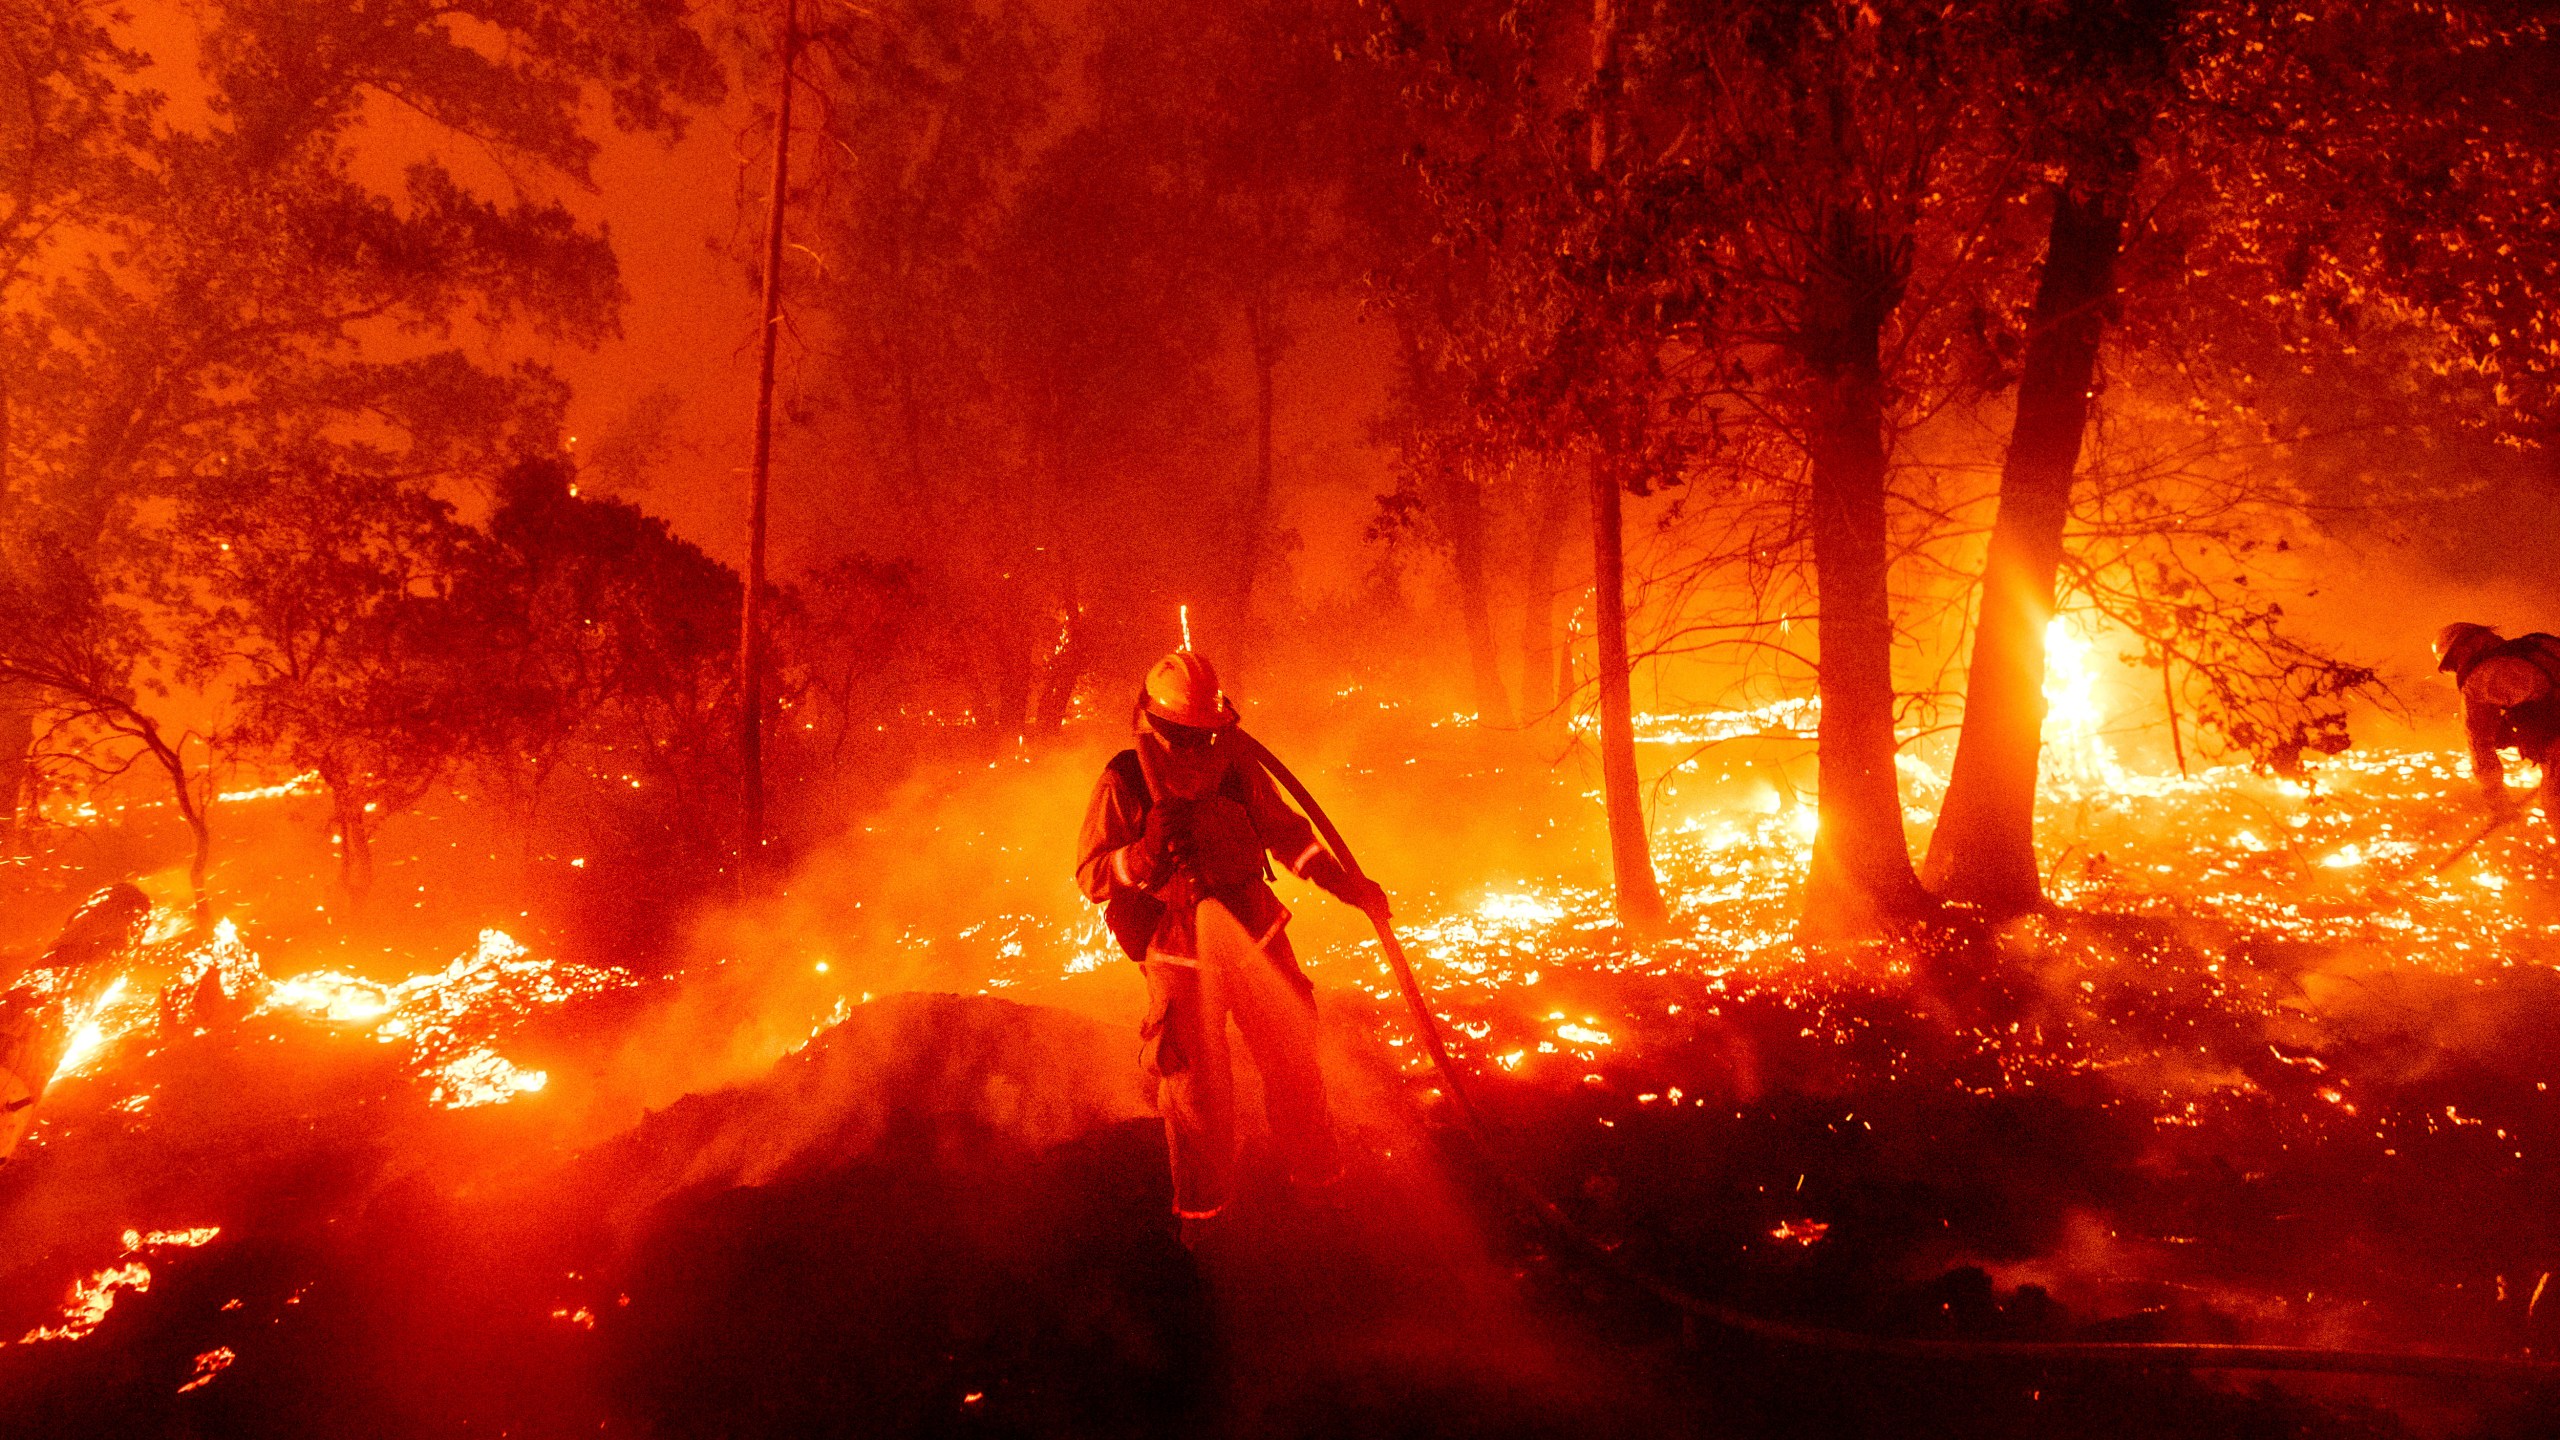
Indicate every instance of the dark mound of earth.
{"type": "Point", "coordinates": [947, 1216]}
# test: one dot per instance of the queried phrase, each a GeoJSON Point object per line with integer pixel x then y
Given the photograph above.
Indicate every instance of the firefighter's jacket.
{"type": "Point", "coordinates": [1238, 817]}
{"type": "Point", "coordinates": [2511, 696]}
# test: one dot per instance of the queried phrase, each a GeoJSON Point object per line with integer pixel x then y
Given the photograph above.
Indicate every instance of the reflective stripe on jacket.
{"type": "Point", "coordinates": [1111, 872]}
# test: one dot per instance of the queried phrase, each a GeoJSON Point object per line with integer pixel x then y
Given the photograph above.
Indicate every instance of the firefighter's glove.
{"type": "Point", "coordinates": [1357, 891]}
{"type": "Point", "coordinates": [1369, 896]}
{"type": "Point", "coordinates": [1166, 845]}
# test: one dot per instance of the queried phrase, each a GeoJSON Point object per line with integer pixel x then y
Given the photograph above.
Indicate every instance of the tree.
{"type": "Point", "coordinates": [2106, 75]}
{"type": "Point", "coordinates": [94, 665]}
{"type": "Point", "coordinates": [331, 596]}
{"type": "Point", "coordinates": [923, 112]}
{"type": "Point", "coordinates": [617, 653]}
{"type": "Point", "coordinates": [1245, 107]}
{"type": "Point", "coordinates": [1828, 177]}
{"type": "Point", "coordinates": [63, 163]}
{"type": "Point", "coordinates": [1528, 332]}
{"type": "Point", "coordinates": [2305, 207]}
{"type": "Point", "coordinates": [216, 297]}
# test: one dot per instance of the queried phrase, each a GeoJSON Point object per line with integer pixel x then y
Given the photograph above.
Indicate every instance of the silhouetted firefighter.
{"type": "Point", "coordinates": [1177, 846]}
{"type": "Point", "coordinates": [2510, 697]}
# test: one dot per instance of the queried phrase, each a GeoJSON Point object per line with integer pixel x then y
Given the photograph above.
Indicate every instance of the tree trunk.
{"type": "Point", "coordinates": [1462, 523]}
{"type": "Point", "coordinates": [1262, 343]}
{"type": "Point", "coordinates": [355, 848]}
{"type": "Point", "coordinates": [1015, 648]}
{"type": "Point", "coordinates": [172, 760]}
{"type": "Point", "coordinates": [199, 864]}
{"type": "Point", "coordinates": [1539, 694]}
{"type": "Point", "coordinates": [1861, 880]}
{"type": "Point", "coordinates": [751, 617]}
{"type": "Point", "coordinates": [1983, 853]}
{"type": "Point", "coordinates": [1066, 666]}
{"type": "Point", "coordinates": [1640, 906]}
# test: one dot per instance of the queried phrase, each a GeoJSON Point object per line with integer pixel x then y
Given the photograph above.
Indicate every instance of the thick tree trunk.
{"type": "Point", "coordinates": [1539, 692]}
{"type": "Point", "coordinates": [1462, 522]}
{"type": "Point", "coordinates": [1640, 906]}
{"type": "Point", "coordinates": [1861, 880]}
{"type": "Point", "coordinates": [1983, 853]}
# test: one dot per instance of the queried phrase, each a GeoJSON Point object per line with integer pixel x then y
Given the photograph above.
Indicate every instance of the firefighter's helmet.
{"type": "Point", "coordinates": [2462, 642]}
{"type": "Point", "coordinates": [1183, 689]}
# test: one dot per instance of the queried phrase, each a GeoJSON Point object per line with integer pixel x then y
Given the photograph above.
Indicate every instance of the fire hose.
{"type": "Point", "coordinates": [2496, 824]}
{"type": "Point", "coordinates": [1699, 1310]}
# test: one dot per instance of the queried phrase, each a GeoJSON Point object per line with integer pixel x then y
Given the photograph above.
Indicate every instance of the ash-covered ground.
{"type": "Point", "coordinates": [876, 1159]}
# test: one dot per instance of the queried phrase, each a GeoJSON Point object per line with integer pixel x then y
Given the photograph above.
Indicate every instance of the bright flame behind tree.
{"type": "Point", "coordinates": [2077, 756]}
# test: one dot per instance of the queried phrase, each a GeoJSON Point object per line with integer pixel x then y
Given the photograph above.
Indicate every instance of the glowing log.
{"type": "Point", "coordinates": [43, 1010]}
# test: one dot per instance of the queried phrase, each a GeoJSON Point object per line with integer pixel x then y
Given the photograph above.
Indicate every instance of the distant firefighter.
{"type": "Point", "coordinates": [1177, 846]}
{"type": "Point", "coordinates": [2510, 698]}
{"type": "Point", "coordinates": [45, 1006]}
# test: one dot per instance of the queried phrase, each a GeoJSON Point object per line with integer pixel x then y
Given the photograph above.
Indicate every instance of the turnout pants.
{"type": "Point", "coordinates": [1186, 1053]}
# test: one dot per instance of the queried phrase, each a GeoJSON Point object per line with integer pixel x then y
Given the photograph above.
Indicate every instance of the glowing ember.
{"type": "Point", "coordinates": [1518, 909]}
{"type": "Point", "coordinates": [448, 1018]}
{"type": "Point", "coordinates": [483, 1077]}
{"type": "Point", "coordinates": [306, 783]}
{"type": "Point", "coordinates": [90, 1301]}
{"type": "Point", "coordinates": [92, 1035]}
{"type": "Point", "coordinates": [92, 1298]}
{"type": "Point", "coordinates": [209, 1364]}
{"type": "Point", "coordinates": [1800, 1232]}
{"type": "Point", "coordinates": [162, 1239]}
{"type": "Point", "coordinates": [331, 996]}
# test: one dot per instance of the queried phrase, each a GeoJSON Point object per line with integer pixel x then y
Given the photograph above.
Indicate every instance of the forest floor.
{"type": "Point", "coordinates": [875, 1158]}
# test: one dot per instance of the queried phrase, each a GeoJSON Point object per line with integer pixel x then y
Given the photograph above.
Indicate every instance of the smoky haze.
{"type": "Point", "coordinates": [1864, 578]}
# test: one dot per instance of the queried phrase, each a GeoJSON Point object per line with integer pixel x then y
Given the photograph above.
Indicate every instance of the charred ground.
{"type": "Point", "coordinates": [2248, 1101]}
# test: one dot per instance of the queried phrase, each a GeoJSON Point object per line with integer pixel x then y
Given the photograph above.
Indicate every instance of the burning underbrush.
{"type": "Point", "coordinates": [2270, 1077]}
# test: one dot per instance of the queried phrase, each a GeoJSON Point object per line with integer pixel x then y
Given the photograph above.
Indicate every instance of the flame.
{"type": "Point", "coordinates": [306, 783]}
{"type": "Point", "coordinates": [96, 1029]}
{"type": "Point", "coordinates": [94, 1296]}
{"type": "Point", "coordinates": [447, 1018]}
{"type": "Point", "coordinates": [1520, 909]}
{"type": "Point", "coordinates": [2076, 753]}
{"type": "Point", "coordinates": [209, 1364]}
{"type": "Point", "coordinates": [497, 982]}
{"type": "Point", "coordinates": [483, 1077]}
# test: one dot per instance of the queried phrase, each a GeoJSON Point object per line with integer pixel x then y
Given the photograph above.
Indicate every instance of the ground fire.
{"type": "Point", "coordinates": [684, 691]}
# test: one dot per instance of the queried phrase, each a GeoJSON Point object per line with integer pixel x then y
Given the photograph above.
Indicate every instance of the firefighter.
{"type": "Point", "coordinates": [1177, 846]}
{"type": "Point", "coordinates": [2510, 697]}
